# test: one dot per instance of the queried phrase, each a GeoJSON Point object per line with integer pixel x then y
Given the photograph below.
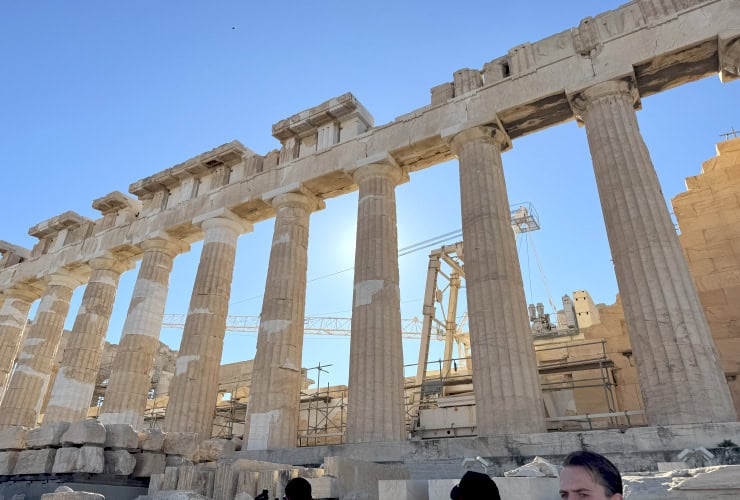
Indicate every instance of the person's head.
{"type": "Point", "coordinates": [475, 486]}
{"type": "Point", "coordinates": [298, 489]}
{"type": "Point", "coordinates": [589, 475]}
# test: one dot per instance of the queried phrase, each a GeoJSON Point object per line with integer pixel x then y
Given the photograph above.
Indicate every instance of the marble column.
{"type": "Point", "coordinates": [376, 400]}
{"type": "Point", "coordinates": [508, 398]}
{"type": "Point", "coordinates": [13, 317]}
{"type": "Point", "coordinates": [274, 401]}
{"type": "Point", "coordinates": [194, 388]}
{"type": "Point", "coordinates": [27, 388]}
{"type": "Point", "coordinates": [680, 375]}
{"type": "Point", "coordinates": [75, 382]}
{"type": "Point", "coordinates": [130, 378]}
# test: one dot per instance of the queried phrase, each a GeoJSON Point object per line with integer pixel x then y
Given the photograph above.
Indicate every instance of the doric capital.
{"type": "Point", "coordinates": [382, 164]}
{"type": "Point", "coordinates": [67, 278]}
{"type": "Point", "coordinates": [296, 195]}
{"type": "Point", "coordinates": [729, 56]}
{"type": "Point", "coordinates": [223, 218]}
{"type": "Point", "coordinates": [457, 137]}
{"type": "Point", "coordinates": [108, 262]}
{"type": "Point", "coordinates": [308, 202]}
{"type": "Point", "coordinates": [162, 241]}
{"type": "Point", "coordinates": [22, 291]}
{"type": "Point", "coordinates": [580, 101]}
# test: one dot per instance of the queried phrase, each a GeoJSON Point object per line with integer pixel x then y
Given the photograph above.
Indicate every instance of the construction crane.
{"type": "Point", "coordinates": [410, 328]}
{"type": "Point", "coordinates": [446, 264]}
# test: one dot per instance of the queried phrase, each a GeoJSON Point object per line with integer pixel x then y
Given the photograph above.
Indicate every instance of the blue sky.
{"type": "Point", "coordinates": [96, 95]}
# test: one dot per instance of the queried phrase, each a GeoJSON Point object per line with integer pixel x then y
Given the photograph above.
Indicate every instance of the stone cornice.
{"type": "Point", "coordinates": [307, 121]}
{"type": "Point", "coordinates": [6, 248]}
{"type": "Point", "coordinates": [67, 220]}
{"type": "Point", "coordinates": [228, 155]}
{"type": "Point", "coordinates": [115, 202]}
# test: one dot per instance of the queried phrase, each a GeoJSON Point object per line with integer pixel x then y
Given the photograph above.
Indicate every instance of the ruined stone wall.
{"type": "Point", "coordinates": [708, 214]}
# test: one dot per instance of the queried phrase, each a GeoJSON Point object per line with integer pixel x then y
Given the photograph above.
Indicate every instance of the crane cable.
{"type": "Point", "coordinates": [542, 275]}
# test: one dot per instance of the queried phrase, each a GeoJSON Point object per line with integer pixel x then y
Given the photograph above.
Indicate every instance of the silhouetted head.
{"type": "Point", "coordinates": [298, 489]}
{"type": "Point", "coordinates": [475, 486]}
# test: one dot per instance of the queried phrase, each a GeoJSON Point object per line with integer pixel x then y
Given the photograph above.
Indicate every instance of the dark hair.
{"type": "Point", "coordinates": [603, 471]}
{"type": "Point", "coordinates": [298, 489]}
{"type": "Point", "coordinates": [475, 486]}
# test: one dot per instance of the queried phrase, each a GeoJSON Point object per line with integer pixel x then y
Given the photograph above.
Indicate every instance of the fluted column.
{"type": "Point", "coordinates": [27, 388]}
{"type": "Point", "coordinates": [130, 378]}
{"type": "Point", "coordinates": [508, 398]}
{"type": "Point", "coordinates": [376, 407]}
{"type": "Point", "coordinates": [75, 382]}
{"type": "Point", "coordinates": [274, 400]}
{"type": "Point", "coordinates": [194, 388]}
{"type": "Point", "coordinates": [680, 375]}
{"type": "Point", "coordinates": [13, 317]}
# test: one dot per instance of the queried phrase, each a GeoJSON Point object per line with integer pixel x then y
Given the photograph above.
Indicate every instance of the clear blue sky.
{"type": "Point", "coordinates": [96, 95]}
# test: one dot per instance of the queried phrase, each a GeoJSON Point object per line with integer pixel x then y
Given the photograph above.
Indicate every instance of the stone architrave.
{"type": "Point", "coordinates": [27, 387]}
{"type": "Point", "coordinates": [680, 375]}
{"type": "Point", "coordinates": [75, 382]}
{"type": "Point", "coordinates": [505, 379]}
{"type": "Point", "coordinates": [272, 420]}
{"type": "Point", "coordinates": [130, 379]}
{"type": "Point", "coordinates": [376, 401]}
{"type": "Point", "coordinates": [194, 388]}
{"type": "Point", "coordinates": [13, 317]}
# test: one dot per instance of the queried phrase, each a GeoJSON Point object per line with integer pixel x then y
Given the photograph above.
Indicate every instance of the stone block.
{"type": "Point", "coordinates": [358, 477]}
{"type": "Point", "coordinates": [177, 461]}
{"type": "Point", "coordinates": [13, 438]}
{"type": "Point", "coordinates": [400, 489]}
{"type": "Point", "coordinates": [324, 487]}
{"type": "Point", "coordinates": [184, 444]}
{"type": "Point", "coordinates": [669, 466]}
{"type": "Point", "coordinates": [189, 479]}
{"type": "Point", "coordinates": [148, 464]}
{"type": "Point", "coordinates": [208, 476]}
{"type": "Point", "coordinates": [225, 481]}
{"type": "Point", "coordinates": [177, 495]}
{"type": "Point", "coordinates": [118, 462]}
{"type": "Point", "coordinates": [247, 483]}
{"type": "Point", "coordinates": [7, 462]}
{"type": "Point", "coordinates": [84, 432]}
{"type": "Point", "coordinates": [214, 449]}
{"type": "Point", "coordinates": [724, 478]}
{"type": "Point", "coordinates": [35, 461]}
{"type": "Point", "coordinates": [66, 493]}
{"type": "Point", "coordinates": [151, 440]}
{"type": "Point", "coordinates": [268, 480]}
{"type": "Point", "coordinates": [121, 436]}
{"type": "Point", "coordinates": [538, 467]}
{"type": "Point", "coordinates": [155, 483]}
{"type": "Point", "coordinates": [169, 481]}
{"type": "Point", "coordinates": [48, 435]}
{"type": "Point", "coordinates": [88, 459]}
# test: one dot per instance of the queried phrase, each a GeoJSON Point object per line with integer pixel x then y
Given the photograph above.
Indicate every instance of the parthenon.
{"type": "Point", "coordinates": [596, 73]}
